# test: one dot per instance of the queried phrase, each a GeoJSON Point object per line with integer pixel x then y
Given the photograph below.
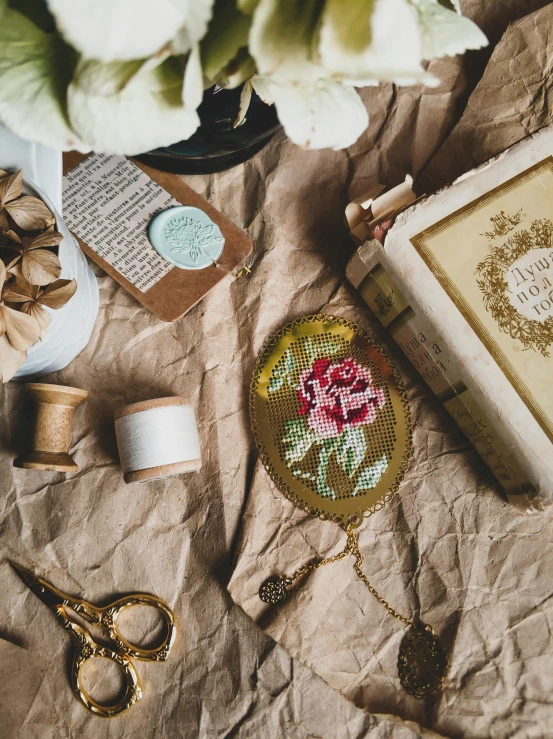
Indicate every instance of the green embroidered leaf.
{"type": "Point", "coordinates": [282, 372]}
{"type": "Point", "coordinates": [370, 476]}
{"type": "Point", "coordinates": [324, 456]}
{"type": "Point", "coordinates": [289, 362]}
{"type": "Point", "coordinates": [351, 450]}
{"type": "Point", "coordinates": [316, 349]}
{"type": "Point", "coordinates": [277, 381]}
{"type": "Point", "coordinates": [299, 439]}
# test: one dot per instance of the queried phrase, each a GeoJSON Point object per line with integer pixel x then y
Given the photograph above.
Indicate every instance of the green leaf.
{"type": "Point", "coordinates": [351, 449]}
{"type": "Point", "coordinates": [226, 35]}
{"type": "Point", "coordinates": [324, 457]}
{"type": "Point", "coordinates": [35, 70]}
{"type": "Point", "coordinates": [120, 30]}
{"type": "Point", "coordinates": [146, 114]}
{"type": "Point", "coordinates": [282, 372]}
{"type": "Point", "coordinates": [370, 476]}
{"type": "Point", "coordinates": [299, 439]}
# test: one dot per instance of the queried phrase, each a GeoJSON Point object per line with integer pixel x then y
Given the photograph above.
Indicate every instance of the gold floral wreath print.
{"type": "Point", "coordinates": [330, 418]}
{"type": "Point", "coordinates": [533, 334]}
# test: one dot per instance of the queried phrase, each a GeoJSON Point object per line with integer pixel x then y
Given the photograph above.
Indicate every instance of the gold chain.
{"type": "Point", "coordinates": [297, 576]}
{"type": "Point", "coordinates": [352, 547]}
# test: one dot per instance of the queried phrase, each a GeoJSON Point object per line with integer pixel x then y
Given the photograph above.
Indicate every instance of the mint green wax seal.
{"type": "Point", "coordinates": [186, 237]}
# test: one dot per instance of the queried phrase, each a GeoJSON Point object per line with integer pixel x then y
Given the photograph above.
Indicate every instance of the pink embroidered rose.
{"type": "Point", "coordinates": [334, 396]}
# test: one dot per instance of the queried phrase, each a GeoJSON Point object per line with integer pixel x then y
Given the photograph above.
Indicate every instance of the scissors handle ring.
{"type": "Point", "coordinates": [109, 616]}
{"type": "Point", "coordinates": [87, 648]}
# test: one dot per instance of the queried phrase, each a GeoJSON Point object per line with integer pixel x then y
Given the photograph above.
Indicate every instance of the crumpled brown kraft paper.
{"type": "Point", "coordinates": [21, 676]}
{"type": "Point", "coordinates": [448, 550]}
{"type": "Point", "coordinates": [447, 545]}
{"type": "Point", "coordinates": [511, 101]}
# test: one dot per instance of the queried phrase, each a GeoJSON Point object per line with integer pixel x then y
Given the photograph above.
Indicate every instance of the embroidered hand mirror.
{"type": "Point", "coordinates": [333, 429]}
{"type": "Point", "coordinates": [330, 419]}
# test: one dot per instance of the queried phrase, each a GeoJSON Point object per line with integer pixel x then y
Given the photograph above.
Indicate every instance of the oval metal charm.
{"type": "Point", "coordinates": [330, 418]}
{"type": "Point", "coordinates": [273, 590]}
{"type": "Point", "coordinates": [422, 663]}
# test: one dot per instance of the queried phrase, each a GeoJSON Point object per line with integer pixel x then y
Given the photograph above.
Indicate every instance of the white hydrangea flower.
{"type": "Point", "coordinates": [125, 76]}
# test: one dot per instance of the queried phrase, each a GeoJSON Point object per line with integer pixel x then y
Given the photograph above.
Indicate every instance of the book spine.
{"type": "Point", "coordinates": [425, 349]}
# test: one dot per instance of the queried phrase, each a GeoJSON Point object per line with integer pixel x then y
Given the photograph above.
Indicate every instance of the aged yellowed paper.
{"type": "Point", "coordinates": [494, 257]}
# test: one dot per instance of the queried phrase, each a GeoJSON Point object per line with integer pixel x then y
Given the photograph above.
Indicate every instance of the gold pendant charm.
{"type": "Point", "coordinates": [422, 663]}
{"type": "Point", "coordinates": [274, 590]}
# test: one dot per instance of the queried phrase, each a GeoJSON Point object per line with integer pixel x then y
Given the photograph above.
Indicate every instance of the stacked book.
{"type": "Point", "coordinates": [463, 280]}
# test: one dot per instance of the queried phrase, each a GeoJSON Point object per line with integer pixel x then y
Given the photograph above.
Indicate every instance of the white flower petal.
{"type": "Point", "coordinates": [262, 86]}
{"type": "Point", "coordinates": [197, 20]}
{"type": "Point", "coordinates": [109, 78]}
{"type": "Point", "coordinates": [245, 100]}
{"type": "Point", "coordinates": [110, 30]}
{"type": "Point", "coordinates": [388, 49]}
{"type": "Point", "coordinates": [444, 32]}
{"type": "Point", "coordinates": [35, 69]}
{"type": "Point", "coordinates": [146, 114]}
{"type": "Point", "coordinates": [320, 115]}
{"type": "Point", "coordinates": [193, 84]}
{"type": "Point", "coordinates": [281, 40]}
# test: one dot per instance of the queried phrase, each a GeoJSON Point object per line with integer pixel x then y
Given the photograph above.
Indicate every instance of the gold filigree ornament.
{"type": "Point", "coordinates": [332, 425]}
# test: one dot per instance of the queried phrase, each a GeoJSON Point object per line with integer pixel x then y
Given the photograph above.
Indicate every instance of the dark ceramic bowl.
{"type": "Point", "coordinates": [217, 145]}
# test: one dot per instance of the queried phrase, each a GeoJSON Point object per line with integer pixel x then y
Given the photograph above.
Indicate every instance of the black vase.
{"type": "Point", "coordinates": [217, 145]}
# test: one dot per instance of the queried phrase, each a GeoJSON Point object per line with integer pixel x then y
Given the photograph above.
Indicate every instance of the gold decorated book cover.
{"type": "Point", "coordinates": [464, 283]}
{"type": "Point", "coordinates": [494, 257]}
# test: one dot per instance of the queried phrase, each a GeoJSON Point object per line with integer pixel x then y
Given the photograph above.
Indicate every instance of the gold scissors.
{"type": "Point", "coordinates": [87, 647]}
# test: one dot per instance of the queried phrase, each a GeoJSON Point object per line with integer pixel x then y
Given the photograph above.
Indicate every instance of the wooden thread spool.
{"type": "Point", "coordinates": [157, 438]}
{"type": "Point", "coordinates": [52, 434]}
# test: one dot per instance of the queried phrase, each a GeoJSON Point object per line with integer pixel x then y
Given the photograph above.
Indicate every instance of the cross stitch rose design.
{"type": "Point", "coordinates": [334, 396]}
{"type": "Point", "coordinates": [336, 401]}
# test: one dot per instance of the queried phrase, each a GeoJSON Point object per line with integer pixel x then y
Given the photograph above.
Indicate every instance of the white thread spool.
{"type": "Point", "coordinates": [157, 438]}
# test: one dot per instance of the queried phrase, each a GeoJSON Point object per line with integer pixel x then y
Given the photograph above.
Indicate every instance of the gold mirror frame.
{"type": "Point", "coordinates": [346, 510]}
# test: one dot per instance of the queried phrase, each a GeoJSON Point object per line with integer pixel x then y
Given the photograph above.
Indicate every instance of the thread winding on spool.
{"type": "Point", "coordinates": [52, 434]}
{"type": "Point", "coordinates": [157, 438]}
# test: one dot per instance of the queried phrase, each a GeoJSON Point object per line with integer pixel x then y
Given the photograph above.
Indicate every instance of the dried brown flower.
{"type": "Point", "coordinates": [18, 331]}
{"type": "Point", "coordinates": [33, 298]}
{"type": "Point", "coordinates": [29, 278]}
{"type": "Point", "coordinates": [37, 265]}
{"type": "Point", "coordinates": [29, 213]}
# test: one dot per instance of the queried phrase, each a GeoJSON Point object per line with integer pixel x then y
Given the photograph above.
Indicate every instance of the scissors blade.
{"type": "Point", "coordinates": [43, 590]}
